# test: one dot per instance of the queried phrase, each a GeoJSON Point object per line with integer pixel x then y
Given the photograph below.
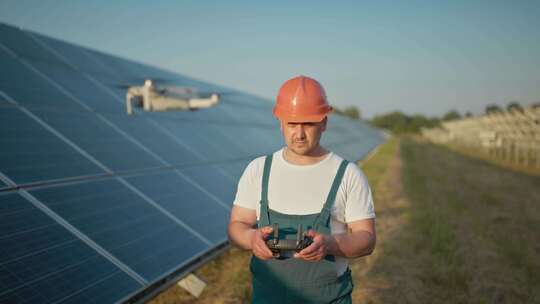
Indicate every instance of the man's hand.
{"type": "Point", "coordinates": [317, 250]}
{"type": "Point", "coordinates": [258, 243]}
{"type": "Point", "coordinates": [360, 241]}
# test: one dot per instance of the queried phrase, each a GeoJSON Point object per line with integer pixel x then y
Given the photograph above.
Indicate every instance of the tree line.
{"type": "Point", "coordinates": [399, 122]}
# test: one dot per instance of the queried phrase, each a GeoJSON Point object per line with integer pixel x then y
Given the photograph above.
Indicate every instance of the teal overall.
{"type": "Point", "coordinates": [291, 280]}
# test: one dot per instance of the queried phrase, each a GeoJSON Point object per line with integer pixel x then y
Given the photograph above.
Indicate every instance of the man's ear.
{"type": "Point", "coordinates": [324, 121]}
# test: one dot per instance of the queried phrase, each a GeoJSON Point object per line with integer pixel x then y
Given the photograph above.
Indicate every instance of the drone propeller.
{"type": "Point", "coordinates": [140, 81]}
{"type": "Point", "coordinates": [194, 89]}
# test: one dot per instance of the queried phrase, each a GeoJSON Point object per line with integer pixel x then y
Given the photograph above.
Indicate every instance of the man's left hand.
{"type": "Point", "coordinates": [317, 250]}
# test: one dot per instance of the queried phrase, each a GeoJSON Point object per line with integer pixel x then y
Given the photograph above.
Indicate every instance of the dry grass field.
{"type": "Point", "coordinates": [450, 229]}
{"type": "Point", "coordinates": [531, 169]}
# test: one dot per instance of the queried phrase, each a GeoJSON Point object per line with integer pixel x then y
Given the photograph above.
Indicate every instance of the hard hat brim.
{"type": "Point", "coordinates": [300, 118]}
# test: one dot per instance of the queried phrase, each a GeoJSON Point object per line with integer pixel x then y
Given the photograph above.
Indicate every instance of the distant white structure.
{"type": "Point", "coordinates": [512, 135]}
{"type": "Point", "coordinates": [151, 98]}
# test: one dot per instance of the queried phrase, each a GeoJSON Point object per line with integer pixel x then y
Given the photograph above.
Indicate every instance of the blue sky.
{"type": "Point", "coordinates": [415, 56]}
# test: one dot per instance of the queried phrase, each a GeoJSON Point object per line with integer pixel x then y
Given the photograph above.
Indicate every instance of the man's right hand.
{"type": "Point", "coordinates": [258, 243]}
{"type": "Point", "coordinates": [242, 234]}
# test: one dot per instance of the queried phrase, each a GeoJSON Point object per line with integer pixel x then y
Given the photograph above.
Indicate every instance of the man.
{"type": "Point", "coordinates": [303, 183]}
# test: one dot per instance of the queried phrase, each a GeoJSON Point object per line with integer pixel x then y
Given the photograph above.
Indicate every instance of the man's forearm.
{"type": "Point", "coordinates": [351, 245]}
{"type": "Point", "coordinates": [240, 234]}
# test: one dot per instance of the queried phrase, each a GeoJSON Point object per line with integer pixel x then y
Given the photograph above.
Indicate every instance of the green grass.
{"type": "Point", "coordinates": [376, 166]}
{"type": "Point", "coordinates": [451, 229]}
{"type": "Point", "coordinates": [476, 223]}
{"type": "Point", "coordinates": [433, 209]}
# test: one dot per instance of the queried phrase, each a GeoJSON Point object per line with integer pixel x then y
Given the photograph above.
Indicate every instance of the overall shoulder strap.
{"type": "Point", "coordinates": [335, 185]}
{"type": "Point", "coordinates": [266, 177]}
{"type": "Point", "coordinates": [324, 216]}
{"type": "Point", "coordinates": [264, 219]}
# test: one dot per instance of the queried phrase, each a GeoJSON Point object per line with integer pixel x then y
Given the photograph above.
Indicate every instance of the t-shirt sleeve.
{"type": "Point", "coordinates": [359, 201]}
{"type": "Point", "coordinates": [248, 191]}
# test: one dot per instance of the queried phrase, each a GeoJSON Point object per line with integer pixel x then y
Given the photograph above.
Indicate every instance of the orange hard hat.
{"type": "Point", "coordinates": [301, 99]}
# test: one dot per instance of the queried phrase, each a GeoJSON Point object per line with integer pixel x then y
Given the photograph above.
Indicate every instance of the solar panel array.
{"type": "Point", "coordinates": [97, 206]}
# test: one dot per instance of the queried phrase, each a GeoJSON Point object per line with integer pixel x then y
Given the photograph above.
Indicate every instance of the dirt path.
{"type": "Point", "coordinates": [372, 281]}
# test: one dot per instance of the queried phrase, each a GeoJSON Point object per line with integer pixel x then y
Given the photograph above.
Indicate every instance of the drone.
{"type": "Point", "coordinates": [153, 98]}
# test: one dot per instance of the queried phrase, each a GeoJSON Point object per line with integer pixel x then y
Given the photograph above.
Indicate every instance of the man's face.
{"type": "Point", "coordinates": [302, 138]}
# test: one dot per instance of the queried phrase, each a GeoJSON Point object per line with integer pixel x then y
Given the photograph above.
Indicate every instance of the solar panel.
{"type": "Point", "coordinates": [235, 169]}
{"type": "Point", "coordinates": [42, 262]}
{"type": "Point", "coordinates": [173, 188]}
{"type": "Point", "coordinates": [30, 153]}
{"type": "Point", "coordinates": [100, 207]}
{"type": "Point", "coordinates": [27, 87]}
{"type": "Point", "coordinates": [125, 224]}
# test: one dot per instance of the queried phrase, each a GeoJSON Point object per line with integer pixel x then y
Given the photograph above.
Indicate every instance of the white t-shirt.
{"type": "Point", "coordinates": [302, 189]}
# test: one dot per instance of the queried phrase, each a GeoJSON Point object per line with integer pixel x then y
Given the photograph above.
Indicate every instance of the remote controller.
{"type": "Point", "coordinates": [278, 245]}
